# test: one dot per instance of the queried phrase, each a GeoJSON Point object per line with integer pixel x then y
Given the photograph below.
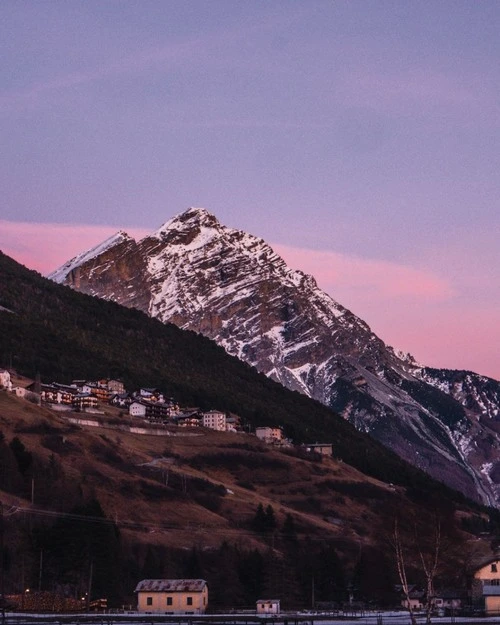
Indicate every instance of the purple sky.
{"type": "Point", "coordinates": [361, 139]}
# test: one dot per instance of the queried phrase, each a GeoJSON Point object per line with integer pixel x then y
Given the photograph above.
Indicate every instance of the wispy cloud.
{"type": "Point", "coordinates": [209, 47]}
{"type": "Point", "coordinates": [126, 64]}
{"type": "Point", "coordinates": [419, 92]}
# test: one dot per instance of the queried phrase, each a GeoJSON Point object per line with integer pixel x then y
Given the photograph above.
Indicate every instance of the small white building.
{"type": "Point", "coordinates": [5, 380]}
{"type": "Point", "coordinates": [214, 420]}
{"type": "Point", "coordinates": [268, 606]}
{"type": "Point", "coordinates": [137, 409]}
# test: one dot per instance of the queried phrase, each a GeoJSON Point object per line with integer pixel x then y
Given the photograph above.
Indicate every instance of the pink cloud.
{"type": "Point", "coordinates": [413, 309]}
{"type": "Point", "coordinates": [363, 277]}
{"type": "Point", "coordinates": [44, 247]}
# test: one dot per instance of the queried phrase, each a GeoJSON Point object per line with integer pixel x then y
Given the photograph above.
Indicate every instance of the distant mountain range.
{"type": "Point", "coordinates": [233, 288]}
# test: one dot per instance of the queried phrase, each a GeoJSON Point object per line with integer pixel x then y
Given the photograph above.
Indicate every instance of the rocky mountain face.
{"type": "Point", "coordinates": [233, 288]}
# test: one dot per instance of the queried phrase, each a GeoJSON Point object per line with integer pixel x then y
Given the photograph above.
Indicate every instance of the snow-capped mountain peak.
{"type": "Point", "coordinates": [232, 287]}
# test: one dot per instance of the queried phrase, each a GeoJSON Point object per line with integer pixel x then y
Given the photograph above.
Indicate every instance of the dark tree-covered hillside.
{"type": "Point", "coordinates": [49, 329]}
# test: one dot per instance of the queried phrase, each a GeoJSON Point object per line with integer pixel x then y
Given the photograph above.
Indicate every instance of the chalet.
{"type": "Point", "coordinates": [191, 419]}
{"type": "Point", "coordinates": [416, 600]}
{"type": "Point", "coordinates": [51, 394]}
{"type": "Point", "coordinates": [172, 596]}
{"type": "Point", "coordinates": [151, 394]}
{"type": "Point", "coordinates": [268, 606]}
{"type": "Point", "coordinates": [214, 420]}
{"type": "Point", "coordinates": [447, 600]}
{"type": "Point", "coordinates": [82, 385]}
{"type": "Point", "coordinates": [157, 411]}
{"type": "Point", "coordinates": [101, 392]}
{"type": "Point", "coordinates": [82, 401]}
{"type": "Point", "coordinates": [56, 393]}
{"type": "Point", "coordinates": [232, 424]}
{"type": "Point", "coordinates": [150, 410]}
{"type": "Point", "coordinates": [485, 586]}
{"type": "Point", "coordinates": [121, 400]}
{"type": "Point", "coordinates": [114, 386]}
{"type": "Point", "coordinates": [269, 435]}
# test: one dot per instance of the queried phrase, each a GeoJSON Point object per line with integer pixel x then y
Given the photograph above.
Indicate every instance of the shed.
{"type": "Point", "coordinates": [268, 606]}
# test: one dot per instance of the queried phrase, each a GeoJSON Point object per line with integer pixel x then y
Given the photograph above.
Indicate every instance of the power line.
{"type": "Point", "coordinates": [138, 525]}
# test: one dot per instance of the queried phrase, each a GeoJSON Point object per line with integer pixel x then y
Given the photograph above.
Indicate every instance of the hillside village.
{"type": "Point", "coordinates": [152, 406]}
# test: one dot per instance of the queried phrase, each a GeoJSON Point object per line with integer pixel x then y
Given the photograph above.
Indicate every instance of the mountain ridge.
{"type": "Point", "coordinates": [233, 288]}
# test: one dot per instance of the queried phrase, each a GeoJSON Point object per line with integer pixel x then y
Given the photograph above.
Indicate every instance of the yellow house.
{"type": "Point", "coordinates": [486, 585]}
{"type": "Point", "coordinates": [172, 596]}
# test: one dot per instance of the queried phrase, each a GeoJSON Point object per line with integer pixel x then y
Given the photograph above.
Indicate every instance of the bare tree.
{"type": "Point", "coordinates": [421, 550]}
{"type": "Point", "coordinates": [399, 553]}
{"type": "Point", "coordinates": [429, 559]}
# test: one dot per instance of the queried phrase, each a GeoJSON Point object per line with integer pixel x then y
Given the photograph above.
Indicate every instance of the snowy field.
{"type": "Point", "coordinates": [367, 618]}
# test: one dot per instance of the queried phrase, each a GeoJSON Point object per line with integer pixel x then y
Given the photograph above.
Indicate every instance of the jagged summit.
{"type": "Point", "coordinates": [232, 287]}
{"type": "Point", "coordinates": [190, 219]}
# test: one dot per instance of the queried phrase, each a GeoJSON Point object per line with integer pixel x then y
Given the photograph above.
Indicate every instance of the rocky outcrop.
{"type": "Point", "coordinates": [233, 288]}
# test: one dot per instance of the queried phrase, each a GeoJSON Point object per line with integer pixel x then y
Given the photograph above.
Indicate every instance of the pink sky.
{"type": "Point", "coordinates": [411, 308]}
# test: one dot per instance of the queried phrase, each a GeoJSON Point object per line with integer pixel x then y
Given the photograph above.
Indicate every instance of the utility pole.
{"type": "Point", "coordinates": [40, 572]}
{"type": "Point", "coordinates": [89, 588]}
{"type": "Point", "coordinates": [2, 563]}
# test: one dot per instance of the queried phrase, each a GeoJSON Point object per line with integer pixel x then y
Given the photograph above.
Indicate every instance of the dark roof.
{"type": "Point", "coordinates": [171, 585]}
{"type": "Point", "coordinates": [480, 561]}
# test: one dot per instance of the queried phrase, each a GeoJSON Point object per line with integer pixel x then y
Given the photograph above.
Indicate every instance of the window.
{"type": "Point", "coordinates": [494, 567]}
{"type": "Point", "coordinates": [189, 600]}
{"type": "Point", "coordinates": [169, 600]}
{"type": "Point", "coordinates": [149, 600]}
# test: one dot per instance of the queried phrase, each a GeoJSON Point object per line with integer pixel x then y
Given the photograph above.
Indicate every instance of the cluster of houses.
{"type": "Point", "coordinates": [149, 404]}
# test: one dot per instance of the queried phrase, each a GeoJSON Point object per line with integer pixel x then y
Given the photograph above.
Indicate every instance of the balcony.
{"type": "Point", "coordinates": [491, 590]}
